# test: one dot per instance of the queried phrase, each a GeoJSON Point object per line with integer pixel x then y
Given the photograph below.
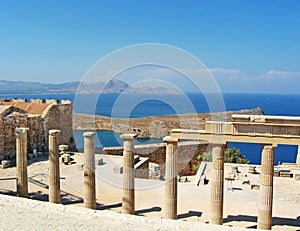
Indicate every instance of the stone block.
{"type": "Point", "coordinates": [66, 158]}
{"type": "Point", "coordinates": [285, 173]}
{"type": "Point", "coordinates": [5, 163]}
{"type": "Point", "coordinates": [100, 161]}
{"type": "Point", "coordinates": [118, 169]}
{"type": "Point", "coordinates": [255, 186]}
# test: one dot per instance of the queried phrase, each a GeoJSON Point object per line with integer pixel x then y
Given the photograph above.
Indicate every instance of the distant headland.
{"type": "Point", "coordinates": [153, 126]}
{"type": "Point", "coordinates": [77, 87]}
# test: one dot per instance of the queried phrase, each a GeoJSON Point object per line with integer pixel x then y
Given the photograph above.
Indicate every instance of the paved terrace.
{"type": "Point", "coordinates": [23, 214]}
{"type": "Point", "coordinates": [240, 208]}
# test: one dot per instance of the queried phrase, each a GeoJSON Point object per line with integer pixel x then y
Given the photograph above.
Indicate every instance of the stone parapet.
{"type": "Point", "coordinates": [17, 214]}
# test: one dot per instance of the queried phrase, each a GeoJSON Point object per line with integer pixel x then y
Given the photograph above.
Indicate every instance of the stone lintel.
{"type": "Point", "coordinates": [128, 136]}
{"type": "Point", "coordinates": [170, 139]}
{"type": "Point", "coordinates": [89, 134]}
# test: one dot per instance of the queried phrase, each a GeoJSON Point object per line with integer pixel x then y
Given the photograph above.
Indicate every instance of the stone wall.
{"type": "Point", "coordinates": [35, 137]}
{"type": "Point", "coordinates": [55, 116]}
{"type": "Point", "coordinates": [8, 124]}
{"type": "Point", "coordinates": [141, 169]}
{"type": "Point", "coordinates": [187, 154]}
{"type": "Point", "coordinates": [58, 116]}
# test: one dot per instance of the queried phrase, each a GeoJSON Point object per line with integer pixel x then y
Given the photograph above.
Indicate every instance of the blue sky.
{"type": "Point", "coordinates": [249, 46]}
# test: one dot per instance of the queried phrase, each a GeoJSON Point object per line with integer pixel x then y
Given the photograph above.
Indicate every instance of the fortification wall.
{"type": "Point", "coordinates": [36, 136]}
{"type": "Point", "coordinates": [59, 116]}
{"type": "Point", "coordinates": [55, 116]}
{"type": "Point", "coordinates": [187, 154]}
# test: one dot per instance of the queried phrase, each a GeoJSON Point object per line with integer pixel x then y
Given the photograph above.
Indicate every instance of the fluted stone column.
{"type": "Point", "coordinates": [89, 170]}
{"type": "Point", "coordinates": [128, 174]}
{"type": "Point", "coordinates": [265, 200]}
{"type": "Point", "coordinates": [216, 184]}
{"type": "Point", "coordinates": [54, 175]}
{"type": "Point", "coordinates": [171, 178]}
{"type": "Point", "coordinates": [298, 156]}
{"type": "Point", "coordinates": [21, 151]}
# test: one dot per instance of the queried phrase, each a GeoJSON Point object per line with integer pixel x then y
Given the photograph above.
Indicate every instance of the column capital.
{"type": "Point", "coordinates": [21, 131]}
{"type": "Point", "coordinates": [128, 136]}
{"type": "Point", "coordinates": [53, 132]}
{"type": "Point", "coordinates": [269, 145]}
{"type": "Point", "coordinates": [89, 134]}
{"type": "Point", "coordinates": [169, 139]}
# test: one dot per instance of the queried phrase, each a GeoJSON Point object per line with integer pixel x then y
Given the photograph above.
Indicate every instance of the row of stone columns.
{"type": "Point", "coordinates": [217, 184]}
{"type": "Point", "coordinates": [54, 172]}
{"type": "Point", "coordinates": [170, 207]}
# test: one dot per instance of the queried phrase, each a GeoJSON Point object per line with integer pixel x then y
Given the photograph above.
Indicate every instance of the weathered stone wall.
{"type": "Point", "coordinates": [55, 116]}
{"type": "Point", "coordinates": [35, 137]}
{"type": "Point", "coordinates": [7, 128]}
{"type": "Point", "coordinates": [187, 154]}
{"type": "Point", "coordinates": [58, 116]}
{"type": "Point", "coordinates": [65, 118]}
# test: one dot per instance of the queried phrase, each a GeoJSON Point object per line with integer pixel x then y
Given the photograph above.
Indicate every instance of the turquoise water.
{"type": "Point", "coordinates": [106, 138]}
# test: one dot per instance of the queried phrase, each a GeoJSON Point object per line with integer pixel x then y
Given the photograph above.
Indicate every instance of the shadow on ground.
{"type": "Point", "coordinates": [280, 221]}
{"type": "Point", "coordinates": [189, 214]}
{"type": "Point", "coordinates": [149, 210]}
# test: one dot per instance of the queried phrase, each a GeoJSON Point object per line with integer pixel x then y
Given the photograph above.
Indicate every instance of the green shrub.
{"type": "Point", "coordinates": [231, 155]}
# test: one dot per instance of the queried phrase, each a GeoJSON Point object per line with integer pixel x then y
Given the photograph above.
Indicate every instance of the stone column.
{"type": "Point", "coordinates": [21, 151]}
{"type": "Point", "coordinates": [265, 200]}
{"type": "Point", "coordinates": [89, 170]}
{"type": "Point", "coordinates": [171, 178]}
{"type": "Point", "coordinates": [54, 175]}
{"type": "Point", "coordinates": [298, 156]}
{"type": "Point", "coordinates": [216, 184]}
{"type": "Point", "coordinates": [128, 174]}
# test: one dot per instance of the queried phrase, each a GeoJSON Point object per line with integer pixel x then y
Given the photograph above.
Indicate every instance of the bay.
{"type": "Point", "coordinates": [155, 105]}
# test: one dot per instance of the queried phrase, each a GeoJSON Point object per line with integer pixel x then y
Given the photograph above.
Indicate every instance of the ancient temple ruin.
{"type": "Point", "coordinates": [269, 131]}
{"type": "Point", "coordinates": [39, 116]}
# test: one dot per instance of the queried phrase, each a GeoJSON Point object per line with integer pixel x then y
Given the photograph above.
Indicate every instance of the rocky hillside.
{"type": "Point", "coordinates": [153, 126]}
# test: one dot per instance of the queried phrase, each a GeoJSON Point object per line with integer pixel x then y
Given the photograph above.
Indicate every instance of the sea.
{"type": "Point", "coordinates": [143, 105]}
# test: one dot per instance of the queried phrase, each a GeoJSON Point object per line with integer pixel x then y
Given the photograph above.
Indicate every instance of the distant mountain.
{"type": "Point", "coordinates": [21, 87]}
{"type": "Point", "coordinates": [113, 86]}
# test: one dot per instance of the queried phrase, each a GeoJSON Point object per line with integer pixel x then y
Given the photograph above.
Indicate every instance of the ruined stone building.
{"type": "Point", "coordinates": [39, 116]}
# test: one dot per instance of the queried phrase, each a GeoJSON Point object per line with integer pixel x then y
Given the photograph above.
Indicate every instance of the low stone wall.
{"type": "Point", "coordinates": [141, 169]}
{"type": "Point", "coordinates": [187, 154]}
{"type": "Point", "coordinates": [25, 214]}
